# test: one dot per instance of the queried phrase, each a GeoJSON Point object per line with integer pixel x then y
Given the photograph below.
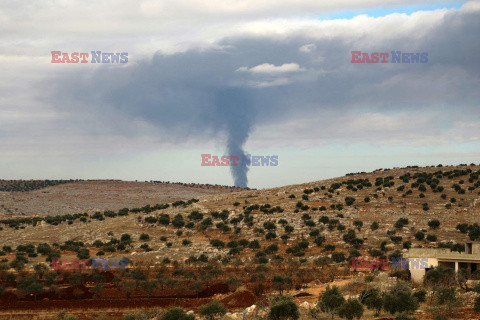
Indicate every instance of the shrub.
{"type": "Point", "coordinates": [474, 232]}
{"type": "Point", "coordinates": [324, 219]}
{"type": "Point", "coordinates": [177, 314]}
{"type": "Point", "coordinates": [462, 227]}
{"type": "Point", "coordinates": [217, 243]}
{"type": "Point", "coordinates": [396, 239]}
{"type": "Point", "coordinates": [83, 254]}
{"type": "Point", "coordinates": [338, 257]}
{"type": "Point", "coordinates": [269, 225]}
{"type": "Point", "coordinates": [254, 244]}
{"type": "Point", "coordinates": [283, 308]}
{"type": "Point", "coordinates": [351, 309]}
{"type": "Point", "coordinates": [30, 285]}
{"type": "Point", "coordinates": [349, 201]}
{"type": "Point", "coordinates": [420, 295]}
{"type": "Point", "coordinates": [400, 299]}
{"type": "Point", "coordinates": [331, 300]}
{"type": "Point", "coordinates": [126, 238]}
{"type": "Point", "coordinates": [434, 224]}
{"type": "Point", "coordinates": [270, 235]}
{"type": "Point", "coordinates": [212, 310]}
{"type": "Point", "coordinates": [144, 237]}
{"type": "Point", "coordinates": [372, 299]}
{"type": "Point", "coordinates": [358, 224]}
{"type": "Point", "coordinates": [419, 236]}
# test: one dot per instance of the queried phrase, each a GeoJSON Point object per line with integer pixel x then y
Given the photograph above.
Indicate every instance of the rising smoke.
{"type": "Point", "coordinates": [218, 93]}
{"type": "Point", "coordinates": [235, 107]}
{"type": "Point", "coordinates": [180, 100]}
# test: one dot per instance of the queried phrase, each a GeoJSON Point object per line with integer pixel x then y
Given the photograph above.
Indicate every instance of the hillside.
{"type": "Point", "coordinates": [70, 197]}
{"type": "Point", "coordinates": [306, 232]}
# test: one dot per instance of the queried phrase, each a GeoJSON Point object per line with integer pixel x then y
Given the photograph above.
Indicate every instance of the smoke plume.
{"type": "Point", "coordinates": [235, 108]}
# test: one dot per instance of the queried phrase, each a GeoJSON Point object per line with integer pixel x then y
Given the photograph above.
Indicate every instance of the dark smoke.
{"type": "Point", "coordinates": [235, 107]}
{"type": "Point", "coordinates": [178, 99]}
{"type": "Point", "coordinates": [199, 93]}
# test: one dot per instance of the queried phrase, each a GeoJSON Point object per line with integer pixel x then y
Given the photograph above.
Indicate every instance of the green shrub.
{"type": "Point", "coordinates": [283, 308]}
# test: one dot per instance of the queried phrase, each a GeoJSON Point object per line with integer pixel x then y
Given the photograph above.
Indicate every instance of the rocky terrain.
{"type": "Point", "coordinates": [293, 239]}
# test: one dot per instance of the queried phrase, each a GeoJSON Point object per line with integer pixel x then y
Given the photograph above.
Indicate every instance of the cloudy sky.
{"type": "Point", "coordinates": [265, 77]}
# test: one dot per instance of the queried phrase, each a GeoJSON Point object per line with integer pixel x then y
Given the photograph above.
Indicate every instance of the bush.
{"type": "Point", "coordinates": [331, 300]}
{"type": "Point", "coordinates": [270, 235]}
{"type": "Point", "coordinates": [349, 201]}
{"type": "Point", "coordinates": [126, 238]}
{"type": "Point", "coordinates": [30, 285]}
{"type": "Point", "coordinates": [212, 310]}
{"type": "Point", "coordinates": [372, 299]}
{"type": "Point", "coordinates": [338, 257]}
{"type": "Point", "coordinates": [420, 295]}
{"type": "Point", "coordinates": [351, 309]}
{"type": "Point", "coordinates": [407, 244]}
{"type": "Point", "coordinates": [217, 243]}
{"type": "Point", "coordinates": [434, 224]}
{"type": "Point", "coordinates": [419, 236]}
{"type": "Point", "coordinates": [462, 227]}
{"type": "Point", "coordinates": [283, 308]}
{"type": "Point", "coordinates": [400, 299]}
{"type": "Point", "coordinates": [83, 254]}
{"type": "Point", "coordinates": [358, 224]}
{"type": "Point", "coordinates": [177, 314]}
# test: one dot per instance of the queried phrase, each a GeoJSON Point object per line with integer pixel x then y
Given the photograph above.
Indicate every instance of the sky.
{"type": "Point", "coordinates": [228, 77]}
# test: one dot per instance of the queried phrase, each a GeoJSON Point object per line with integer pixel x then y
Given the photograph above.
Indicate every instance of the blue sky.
{"type": "Point", "coordinates": [382, 11]}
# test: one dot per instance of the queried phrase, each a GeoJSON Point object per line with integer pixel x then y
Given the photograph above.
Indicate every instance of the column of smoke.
{"type": "Point", "coordinates": [235, 108]}
{"type": "Point", "coordinates": [185, 103]}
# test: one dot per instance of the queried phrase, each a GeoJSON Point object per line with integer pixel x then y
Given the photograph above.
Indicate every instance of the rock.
{"type": "Point", "coordinates": [232, 316]}
{"type": "Point", "coordinates": [250, 309]}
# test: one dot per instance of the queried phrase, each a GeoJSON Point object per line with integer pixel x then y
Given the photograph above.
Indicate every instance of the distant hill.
{"type": "Point", "coordinates": [30, 185]}
{"type": "Point", "coordinates": [59, 197]}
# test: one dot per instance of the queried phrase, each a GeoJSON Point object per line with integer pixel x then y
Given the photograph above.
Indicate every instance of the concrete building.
{"type": "Point", "coordinates": [433, 257]}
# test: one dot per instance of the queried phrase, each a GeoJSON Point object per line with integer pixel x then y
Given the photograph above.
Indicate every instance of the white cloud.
{"type": "Point", "coordinates": [307, 48]}
{"type": "Point", "coordinates": [273, 69]}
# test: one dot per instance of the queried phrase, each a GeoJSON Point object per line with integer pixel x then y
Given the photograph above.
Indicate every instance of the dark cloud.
{"type": "Point", "coordinates": [202, 93]}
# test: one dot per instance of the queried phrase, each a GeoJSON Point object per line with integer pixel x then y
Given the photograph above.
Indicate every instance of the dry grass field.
{"type": "Point", "coordinates": [301, 230]}
{"type": "Point", "coordinates": [98, 195]}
